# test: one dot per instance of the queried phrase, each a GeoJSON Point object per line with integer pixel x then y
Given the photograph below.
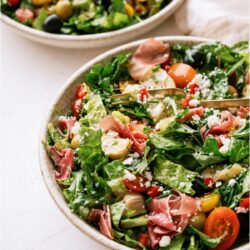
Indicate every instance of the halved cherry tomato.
{"type": "Point", "coordinates": [245, 202]}
{"type": "Point", "coordinates": [209, 201]}
{"type": "Point", "coordinates": [137, 185]}
{"type": "Point", "coordinates": [154, 191]}
{"type": "Point", "coordinates": [192, 88]}
{"type": "Point", "coordinates": [23, 15]}
{"type": "Point", "coordinates": [209, 182]}
{"type": "Point", "coordinates": [13, 3]}
{"type": "Point", "coordinates": [222, 222]}
{"type": "Point", "coordinates": [143, 239]}
{"type": "Point", "coordinates": [76, 107]}
{"type": "Point", "coordinates": [182, 74]}
{"type": "Point", "coordinates": [186, 102]}
{"type": "Point", "coordinates": [244, 112]}
{"type": "Point", "coordinates": [194, 111]}
{"type": "Point", "coordinates": [80, 92]}
{"type": "Point", "coordinates": [143, 94]}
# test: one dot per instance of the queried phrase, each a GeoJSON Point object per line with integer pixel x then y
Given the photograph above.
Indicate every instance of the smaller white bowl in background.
{"type": "Point", "coordinates": [94, 40]}
{"type": "Point", "coordinates": [62, 103]}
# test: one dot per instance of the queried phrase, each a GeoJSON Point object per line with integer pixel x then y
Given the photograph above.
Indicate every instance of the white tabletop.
{"type": "Point", "coordinates": [31, 75]}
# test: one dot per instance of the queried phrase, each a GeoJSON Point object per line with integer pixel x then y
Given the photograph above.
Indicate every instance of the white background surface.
{"type": "Point", "coordinates": [31, 74]}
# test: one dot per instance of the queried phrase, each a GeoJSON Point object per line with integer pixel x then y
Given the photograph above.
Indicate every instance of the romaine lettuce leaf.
{"type": "Point", "coordinates": [173, 175]}
{"type": "Point", "coordinates": [117, 210]}
{"type": "Point", "coordinates": [95, 111]}
{"type": "Point", "coordinates": [239, 149]}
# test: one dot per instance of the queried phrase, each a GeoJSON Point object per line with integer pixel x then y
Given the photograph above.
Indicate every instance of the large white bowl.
{"type": "Point", "coordinates": [62, 103]}
{"type": "Point", "coordinates": [93, 40]}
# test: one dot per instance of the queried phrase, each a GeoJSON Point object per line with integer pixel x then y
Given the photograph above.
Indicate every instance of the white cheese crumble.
{"type": "Point", "coordinates": [129, 176]}
{"type": "Point", "coordinates": [182, 185]}
{"type": "Point", "coordinates": [213, 120]}
{"type": "Point", "coordinates": [226, 144]}
{"type": "Point", "coordinates": [75, 129]}
{"type": "Point", "coordinates": [128, 161]}
{"type": "Point", "coordinates": [194, 103]}
{"type": "Point", "coordinates": [165, 241]}
{"type": "Point", "coordinates": [241, 210]}
{"type": "Point", "coordinates": [232, 182]}
{"type": "Point", "coordinates": [147, 184]}
{"type": "Point", "coordinates": [148, 175]}
{"type": "Point", "coordinates": [196, 118]}
{"type": "Point", "coordinates": [218, 184]}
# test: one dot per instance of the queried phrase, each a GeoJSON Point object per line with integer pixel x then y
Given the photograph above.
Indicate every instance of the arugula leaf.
{"type": "Point", "coordinates": [114, 169]}
{"type": "Point", "coordinates": [206, 240]}
{"type": "Point", "coordinates": [117, 210]}
{"type": "Point", "coordinates": [231, 195]}
{"type": "Point", "coordinates": [176, 243]}
{"type": "Point", "coordinates": [173, 175]}
{"type": "Point", "coordinates": [239, 149]}
{"type": "Point", "coordinates": [126, 237]}
{"type": "Point", "coordinates": [211, 146]}
{"type": "Point", "coordinates": [243, 132]}
{"type": "Point", "coordinates": [102, 78]}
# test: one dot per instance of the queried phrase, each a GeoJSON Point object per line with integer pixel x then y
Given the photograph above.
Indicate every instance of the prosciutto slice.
{"type": "Point", "coordinates": [103, 217]}
{"type": "Point", "coordinates": [170, 215]}
{"type": "Point", "coordinates": [148, 54]}
{"type": "Point", "coordinates": [138, 139]}
{"type": "Point", "coordinates": [64, 160]}
{"type": "Point", "coordinates": [66, 123]}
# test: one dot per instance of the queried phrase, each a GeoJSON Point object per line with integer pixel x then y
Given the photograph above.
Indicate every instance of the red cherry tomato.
{"type": "Point", "coordinates": [23, 15]}
{"type": "Point", "coordinates": [137, 185]}
{"type": "Point", "coordinates": [154, 191]}
{"type": "Point", "coordinates": [143, 239]}
{"type": "Point", "coordinates": [222, 222]}
{"type": "Point", "coordinates": [244, 112]}
{"type": "Point", "coordinates": [76, 107]}
{"type": "Point", "coordinates": [186, 102]}
{"type": "Point", "coordinates": [143, 94]}
{"type": "Point", "coordinates": [13, 3]}
{"type": "Point", "coordinates": [80, 92]}
{"type": "Point", "coordinates": [245, 202]}
{"type": "Point", "coordinates": [192, 88]}
{"type": "Point", "coordinates": [182, 74]}
{"type": "Point", "coordinates": [194, 111]}
{"type": "Point", "coordinates": [209, 182]}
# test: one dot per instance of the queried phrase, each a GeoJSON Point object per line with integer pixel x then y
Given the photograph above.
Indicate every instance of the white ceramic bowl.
{"type": "Point", "coordinates": [94, 40]}
{"type": "Point", "coordinates": [62, 102]}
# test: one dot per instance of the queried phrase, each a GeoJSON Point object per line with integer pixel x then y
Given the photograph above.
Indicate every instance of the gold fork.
{"type": "Point", "coordinates": [161, 93]}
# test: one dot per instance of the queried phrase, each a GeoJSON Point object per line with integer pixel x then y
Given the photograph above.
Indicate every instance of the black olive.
{"type": "Point", "coordinates": [195, 58]}
{"type": "Point", "coordinates": [52, 24]}
{"type": "Point", "coordinates": [199, 187]}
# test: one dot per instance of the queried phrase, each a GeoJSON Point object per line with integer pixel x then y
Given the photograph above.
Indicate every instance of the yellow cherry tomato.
{"type": "Point", "coordinates": [209, 201]}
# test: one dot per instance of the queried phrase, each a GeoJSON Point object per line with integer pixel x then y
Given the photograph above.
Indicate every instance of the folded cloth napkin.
{"type": "Point", "coordinates": [223, 20]}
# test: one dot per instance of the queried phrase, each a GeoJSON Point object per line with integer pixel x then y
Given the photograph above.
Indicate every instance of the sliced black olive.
{"type": "Point", "coordinates": [52, 24]}
{"type": "Point", "coordinates": [195, 58]}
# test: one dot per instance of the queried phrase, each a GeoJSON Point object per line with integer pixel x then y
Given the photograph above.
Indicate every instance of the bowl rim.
{"type": "Point", "coordinates": [173, 5]}
{"type": "Point", "coordinates": [49, 181]}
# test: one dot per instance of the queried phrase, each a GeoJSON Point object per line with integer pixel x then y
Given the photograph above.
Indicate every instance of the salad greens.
{"type": "Point", "coordinates": [158, 173]}
{"type": "Point", "coordinates": [76, 17]}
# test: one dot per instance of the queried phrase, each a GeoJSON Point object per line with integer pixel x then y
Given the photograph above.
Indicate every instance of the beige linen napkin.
{"type": "Point", "coordinates": [224, 20]}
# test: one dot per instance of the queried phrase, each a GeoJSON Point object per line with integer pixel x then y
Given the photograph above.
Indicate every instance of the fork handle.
{"type": "Point", "coordinates": [226, 103]}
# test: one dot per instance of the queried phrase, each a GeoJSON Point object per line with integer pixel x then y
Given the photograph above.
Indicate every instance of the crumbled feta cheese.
{"type": "Point", "coordinates": [241, 210]}
{"type": "Point", "coordinates": [160, 189]}
{"type": "Point", "coordinates": [165, 241]}
{"type": "Point", "coordinates": [129, 176]}
{"type": "Point", "coordinates": [194, 103]}
{"type": "Point", "coordinates": [182, 185]}
{"type": "Point", "coordinates": [148, 175]}
{"type": "Point", "coordinates": [147, 184]}
{"type": "Point", "coordinates": [232, 182]}
{"type": "Point", "coordinates": [128, 161]}
{"type": "Point", "coordinates": [213, 120]}
{"type": "Point", "coordinates": [196, 118]}
{"type": "Point", "coordinates": [75, 129]}
{"type": "Point", "coordinates": [218, 184]}
{"type": "Point", "coordinates": [226, 144]}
